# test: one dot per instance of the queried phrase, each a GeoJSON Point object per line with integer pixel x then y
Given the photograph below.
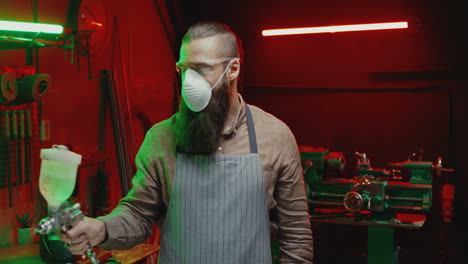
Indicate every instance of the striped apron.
{"type": "Point", "coordinates": [217, 213]}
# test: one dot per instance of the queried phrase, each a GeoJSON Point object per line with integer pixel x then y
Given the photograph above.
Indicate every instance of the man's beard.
{"type": "Point", "coordinates": [199, 132]}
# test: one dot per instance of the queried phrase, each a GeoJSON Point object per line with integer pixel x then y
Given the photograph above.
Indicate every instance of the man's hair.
{"type": "Point", "coordinates": [209, 29]}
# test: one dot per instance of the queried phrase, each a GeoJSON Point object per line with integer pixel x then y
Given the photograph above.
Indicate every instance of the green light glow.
{"type": "Point", "coordinates": [30, 27]}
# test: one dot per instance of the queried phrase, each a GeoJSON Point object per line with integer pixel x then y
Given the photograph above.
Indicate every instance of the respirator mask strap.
{"type": "Point", "coordinates": [224, 72]}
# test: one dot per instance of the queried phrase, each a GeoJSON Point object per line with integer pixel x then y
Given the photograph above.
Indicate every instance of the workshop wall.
{"type": "Point", "coordinates": [140, 55]}
{"type": "Point", "coordinates": [386, 93]}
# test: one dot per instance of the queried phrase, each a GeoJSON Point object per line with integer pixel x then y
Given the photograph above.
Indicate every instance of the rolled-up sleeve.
{"type": "Point", "coordinates": [294, 229]}
{"type": "Point", "coordinates": [131, 221]}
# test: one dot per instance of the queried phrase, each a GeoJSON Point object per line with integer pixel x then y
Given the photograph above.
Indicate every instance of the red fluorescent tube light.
{"type": "Point", "coordinates": [333, 29]}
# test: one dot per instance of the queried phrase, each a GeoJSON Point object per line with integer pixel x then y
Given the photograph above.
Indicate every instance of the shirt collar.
{"type": "Point", "coordinates": [232, 127]}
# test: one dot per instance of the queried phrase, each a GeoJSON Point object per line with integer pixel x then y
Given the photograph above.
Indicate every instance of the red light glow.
{"type": "Point", "coordinates": [97, 24]}
{"type": "Point", "coordinates": [333, 29]}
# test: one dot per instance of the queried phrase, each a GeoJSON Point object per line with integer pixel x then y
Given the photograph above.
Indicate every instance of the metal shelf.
{"type": "Point", "coordinates": [13, 42]}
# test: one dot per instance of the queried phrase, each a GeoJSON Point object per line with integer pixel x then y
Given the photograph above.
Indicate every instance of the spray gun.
{"type": "Point", "coordinates": [56, 183]}
{"type": "Point", "coordinates": [63, 219]}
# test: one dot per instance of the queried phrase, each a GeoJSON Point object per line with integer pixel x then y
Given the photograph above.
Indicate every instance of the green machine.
{"type": "Point", "coordinates": [381, 199]}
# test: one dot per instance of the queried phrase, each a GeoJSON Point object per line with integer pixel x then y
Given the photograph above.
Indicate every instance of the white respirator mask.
{"type": "Point", "coordinates": [196, 90]}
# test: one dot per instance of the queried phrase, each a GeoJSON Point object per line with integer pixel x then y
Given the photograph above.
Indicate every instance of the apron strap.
{"type": "Point", "coordinates": [251, 129]}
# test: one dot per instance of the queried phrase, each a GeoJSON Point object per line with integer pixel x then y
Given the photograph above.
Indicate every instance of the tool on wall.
{"type": "Point", "coordinates": [121, 137]}
{"type": "Point", "coordinates": [29, 134]}
{"type": "Point", "coordinates": [22, 149]}
{"type": "Point", "coordinates": [20, 92]}
{"type": "Point", "coordinates": [31, 88]}
{"type": "Point", "coordinates": [8, 160]}
{"type": "Point", "coordinates": [2, 152]}
{"type": "Point", "coordinates": [15, 145]}
{"type": "Point", "coordinates": [8, 89]}
{"type": "Point", "coordinates": [91, 25]}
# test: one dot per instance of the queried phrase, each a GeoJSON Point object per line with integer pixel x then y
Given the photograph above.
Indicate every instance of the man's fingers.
{"type": "Point", "coordinates": [86, 233]}
{"type": "Point", "coordinates": [78, 248]}
{"type": "Point", "coordinates": [77, 230]}
{"type": "Point", "coordinates": [81, 238]}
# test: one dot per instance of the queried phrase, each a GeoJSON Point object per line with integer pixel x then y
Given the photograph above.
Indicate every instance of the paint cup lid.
{"type": "Point", "coordinates": [60, 153]}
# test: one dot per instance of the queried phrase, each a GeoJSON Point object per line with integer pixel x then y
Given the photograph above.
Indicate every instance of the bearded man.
{"type": "Point", "coordinates": [220, 178]}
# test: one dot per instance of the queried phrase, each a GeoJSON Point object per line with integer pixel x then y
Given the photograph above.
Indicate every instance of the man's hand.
{"type": "Point", "coordinates": [88, 232]}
